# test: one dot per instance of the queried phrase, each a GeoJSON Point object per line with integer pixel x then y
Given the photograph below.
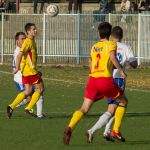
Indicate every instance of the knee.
{"type": "Point", "coordinates": [40, 90]}
{"type": "Point", "coordinates": [27, 92]}
{"type": "Point", "coordinates": [123, 102]}
{"type": "Point", "coordinates": [112, 108]}
{"type": "Point", "coordinates": [84, 110]}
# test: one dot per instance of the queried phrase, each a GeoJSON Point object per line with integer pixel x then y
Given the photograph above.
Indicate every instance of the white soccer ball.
{"type": "Point", "coordinates": [52, 10]}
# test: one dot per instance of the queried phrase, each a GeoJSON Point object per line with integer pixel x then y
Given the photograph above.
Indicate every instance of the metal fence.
{"type": "Point", "coordinates": [67, 38]}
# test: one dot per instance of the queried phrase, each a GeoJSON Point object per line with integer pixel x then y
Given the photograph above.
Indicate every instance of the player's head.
{"type": "Point", "coordinates": [104, 29]}
{"type": "Point", "coordinates": [117, 33]}
{"type": "Point", "coordinates": [31, 29]}
{"type": "Point", "coordinates": [20, 37]}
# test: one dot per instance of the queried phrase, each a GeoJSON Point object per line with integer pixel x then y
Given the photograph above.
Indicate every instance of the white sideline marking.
{"type": "Point", "coordinates": [130, 89]}
{"type": "Point", "coordinates": [58, 80]}
{"type": "Point", "coordinates": [6, 72]}
{"type": "Point", "coordinates": [65, 81]}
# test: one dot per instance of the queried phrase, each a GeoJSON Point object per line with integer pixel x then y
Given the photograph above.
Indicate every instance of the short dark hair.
{"type": "Point", "coordinates": [19, 33]}
{"type": "Point", "coordinates": [104, 29]}
{"type": "Point", "coordinates": [28, 26]}
{"type": "Point", "coordinates": [117, 32]}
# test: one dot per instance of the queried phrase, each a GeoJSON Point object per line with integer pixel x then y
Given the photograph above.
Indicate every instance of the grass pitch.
{"type": "Point", "coordinates": [63, 95]}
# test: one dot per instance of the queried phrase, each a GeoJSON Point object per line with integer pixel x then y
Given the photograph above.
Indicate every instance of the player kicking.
{"type": "Point", "coordinates": [20, 37]}
{"type": "Point", "coordinates": [100, 83]}
{"type": "Point", "coordinates": [27, 62]}
{"type": "Point", "coordinates": [124, 55]}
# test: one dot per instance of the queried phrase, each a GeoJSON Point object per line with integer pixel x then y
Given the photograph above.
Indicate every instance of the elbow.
{"type": "Point", "coordinates": [112, 58]}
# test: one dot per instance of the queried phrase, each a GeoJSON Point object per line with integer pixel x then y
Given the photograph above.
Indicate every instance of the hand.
{"type": "Point", "coordinates": [15, 71]}
{"type": "Point", "coordinates": [39, 73]}
{"type": "Point", "coordinates": [123, 74]}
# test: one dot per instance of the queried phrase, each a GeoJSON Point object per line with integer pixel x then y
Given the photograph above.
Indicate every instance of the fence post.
{"type": "Point", "coordinates": [109, 17]}
{"type": "Point", "coordinates": [139, 36]}
{"type": "Point", "coordinates": [44, 33]}
{"type": "Point", "coordinates": [2, 39]}
{"type": "Point", "coordinates": [78, 39]}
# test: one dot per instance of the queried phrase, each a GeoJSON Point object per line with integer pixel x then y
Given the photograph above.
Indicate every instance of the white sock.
{"type": "Point", "coordinates": [39, 107]}
{"type": "Point", "coordinates": [101, 122]}
{"type": "Point", "coordinates": [25, 101]}
{"type": "Point", "coordinates": [109, 125]}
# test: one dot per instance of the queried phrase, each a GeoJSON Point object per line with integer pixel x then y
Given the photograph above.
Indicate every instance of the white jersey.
{"type": "Point", "coordinates": [18, 75]}
{"type": "Point", "coordinates": [124, 55]}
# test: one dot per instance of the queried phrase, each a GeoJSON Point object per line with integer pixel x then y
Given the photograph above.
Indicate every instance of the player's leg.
{"type": "Point", "coordinates": [80, 6]}
{"type": "Point", "coordinates": [91, 94]}
{"type": "Point", "coordinates": [35, 6]}
{"type": "Point", "coordinates": [21, 87]}
{"type": "Point", "coordinates": [120, 111]}
{"type": "Point", "coordinates": [109, 124]}
{"type": "Point", "coordinates": [103, 120]}
{"type": "Point", "coordinates": [39, 104]}
{"type": "Point", "coordinates": [25, 101]}
{"type": "Point", "coordinates": [39, 88]}
{"type": "Point", "coordinates": [119, 114]}
{"type": "Point", "coordinates": [39, 107]}
{"type": "Point", "coordinates": [108, 128]}
{"type": "Point", "coordinates": [112, 91]}
{"type": "Point", "coordinates": [75, 6]}
{"type": "Point", "coordinates": [18, 99]}
{"type": "Point", "coordinates": [77, 115]}
{"type": "Point", "coordinates": [70, 6]}
{"type": "Point", "coordinates": [21, 96]}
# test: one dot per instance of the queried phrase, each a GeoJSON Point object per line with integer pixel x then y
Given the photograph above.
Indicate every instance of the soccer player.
{"type": "Point", "coordinates": [124, 55]}
{"type": "Point", "coordinates": [100, 83]}
{"type": "Point", "coordinates": [20, 37]}
{"type": "Point", "coordinates": [27, 63]}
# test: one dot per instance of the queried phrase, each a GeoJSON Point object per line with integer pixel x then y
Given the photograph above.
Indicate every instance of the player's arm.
{"type": "Point", "coordinates": [115, 62]}
{"type": "Point", "coordinates": [24, 49]}
{"type": "Point", "coordinates": [131, 59]}
{"type": "Point", "coordinates": [90, 58]}
{"type": "Point", "coordinates": [18, 61]}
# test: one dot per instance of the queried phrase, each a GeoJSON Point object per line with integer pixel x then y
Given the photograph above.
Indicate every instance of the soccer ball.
{"type": "Point", "coordinates": [52, 10]}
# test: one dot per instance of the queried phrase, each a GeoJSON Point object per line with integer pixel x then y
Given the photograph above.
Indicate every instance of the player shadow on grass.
{"type": "Point", "coordinates": [83, 145]}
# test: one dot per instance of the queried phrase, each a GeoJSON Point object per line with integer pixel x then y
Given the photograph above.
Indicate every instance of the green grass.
{"type": "Point", "coordinates": [63, 95]}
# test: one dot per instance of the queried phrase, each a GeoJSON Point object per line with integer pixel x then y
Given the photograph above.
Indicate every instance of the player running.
{"type": "Point", "coordinates": [27, 63]}
{"type": "Point", "coordinates": [100, 83]}
{"type": "Point", "coordinates": [124, 55]}
{"type": "Point", "coordinates": [20, 37]}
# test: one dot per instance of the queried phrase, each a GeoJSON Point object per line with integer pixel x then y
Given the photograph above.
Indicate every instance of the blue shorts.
{"type": "Point", "coordinates": [120, 83]}
{"type": "Point", "coordinates": [21, 87]}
